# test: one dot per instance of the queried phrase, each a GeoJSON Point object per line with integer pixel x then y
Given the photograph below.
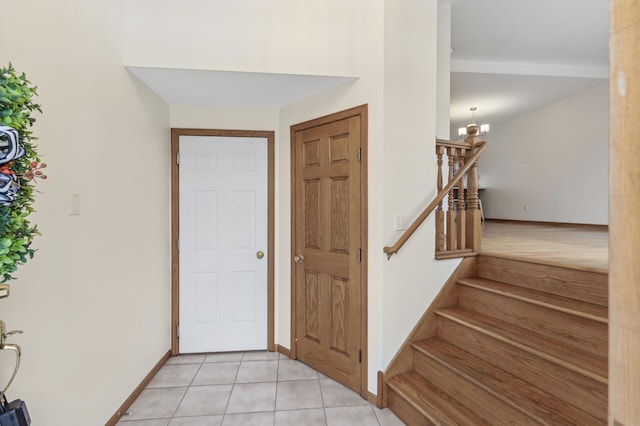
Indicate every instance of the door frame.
{"type": "Point", "coordinates": [175, 224]}
{"type": "Point", "coordinates": [362, 112]}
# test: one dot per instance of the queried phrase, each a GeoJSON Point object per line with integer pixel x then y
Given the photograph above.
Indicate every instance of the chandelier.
{"type": "Point", "coordinates": [473, 129]}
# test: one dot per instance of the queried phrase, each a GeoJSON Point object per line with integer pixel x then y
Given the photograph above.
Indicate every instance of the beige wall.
{"type": "Point", "coordinates": [412, 277]}
{"type": "Point", "coordinates": [224, 118]}
{"type": "Point", "coordinates": [100, 282]}
{"type": "Point", "coordinates": [93, 303]}
{"type": "Point", "coordinates": [277, 36]}
{"type": "Point", "coordinates": [554, 160]}
{"type": "Point", "coordinates": [443, 94]}
{"type": "Point", "coordinates": [246, 119]}
{"type": "Point", "coordinates": [394, 53]}
{"type": "Point", "coordinates": [398, 83]}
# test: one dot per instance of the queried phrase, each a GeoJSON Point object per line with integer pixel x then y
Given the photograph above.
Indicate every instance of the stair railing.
{"type": "Point", "coordinates": [458, 228]}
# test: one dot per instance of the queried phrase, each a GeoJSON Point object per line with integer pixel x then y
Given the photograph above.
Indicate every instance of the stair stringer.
{"type": "Point", "coordinates": [402, 362]}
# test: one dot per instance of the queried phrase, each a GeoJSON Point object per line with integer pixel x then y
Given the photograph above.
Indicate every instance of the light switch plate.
{"type": "Point", "coordinates": [74, 204]}
{"type": "Point", "coordinates": [399, 222]}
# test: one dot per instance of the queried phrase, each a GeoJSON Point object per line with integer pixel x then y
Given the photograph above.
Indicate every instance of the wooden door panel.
{"type": "Point", "coordinates": [339, 222]}
{"type": "Point", "coordinates": [327, 233]}
{"type": "Point", "coordinates": [311, 153]}
{"type": "Point", "coordinates": [312, 306]}
{"type": "Point", "coordinates": [339, 149]}
{"type": "Point", "coordinates": [339, 318]}
{"type": "Point", "coordinates": [311, 210]}
{"type": "Point", "coordinates": [319, 172]}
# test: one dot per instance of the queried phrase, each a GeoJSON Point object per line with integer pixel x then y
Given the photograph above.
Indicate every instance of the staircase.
{"type": "Point", "coordinates": [516, 343]}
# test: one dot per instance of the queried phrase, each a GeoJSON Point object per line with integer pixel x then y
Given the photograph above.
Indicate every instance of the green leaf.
{"type": "Point", "coordinates": [16, 109]}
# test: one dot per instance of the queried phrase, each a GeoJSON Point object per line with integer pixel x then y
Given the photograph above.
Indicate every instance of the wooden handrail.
{"type": "Point", "coordinates": [478, 148]}
{"type": "Point", "coordinates": [454, 144]}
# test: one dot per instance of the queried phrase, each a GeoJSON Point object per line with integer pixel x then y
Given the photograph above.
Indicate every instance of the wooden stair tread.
{"type": "Point", "coordinates": [544, 262]}
{"type": "Point", "coordinates": [568, 385]}
{"type": "Point", "coordinates": [431, 402]}
{"type": "Point", "coordinates": [571, 306]}
{"type": "Point", "coordinates": [452, 254]}
{"type": "Point", "coordinates": [566, 281]}
{"type": "Point", "coordinates": [586, 363]}
{"type": "Point", "coordinates": [514, 391]}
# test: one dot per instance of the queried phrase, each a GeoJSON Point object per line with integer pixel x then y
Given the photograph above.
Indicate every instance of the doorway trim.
{"type": "Point", "coordinates": [175, 224]}
{"type": "Point", "coordinates": [362, 112]}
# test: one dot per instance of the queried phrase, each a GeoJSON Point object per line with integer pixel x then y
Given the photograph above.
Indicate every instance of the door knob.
{"type": "Point", "coordinates": [260, 254]}
{"type": "Point", "coordinates": [298, 258]}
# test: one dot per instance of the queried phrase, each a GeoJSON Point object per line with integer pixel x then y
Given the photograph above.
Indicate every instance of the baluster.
{"type": "Point", "coordinates": [451, 212]}
{"type": "Point", "coordinates": [461, 203]}
{"type": "Point", "coordinates": [439, 212]}
{"type": "Point", "coordinates": [473, 210]}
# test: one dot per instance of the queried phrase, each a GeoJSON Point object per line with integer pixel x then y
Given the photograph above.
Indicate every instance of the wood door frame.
{"type": "Point", "coordinates": [362, 112]}
{"type": "Point", "coordinates": [175, 223]}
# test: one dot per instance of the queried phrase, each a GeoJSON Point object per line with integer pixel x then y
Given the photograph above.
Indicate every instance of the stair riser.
{"type": "Point", "coordinates": [405, 411]}
{"type": "Point", "coordinates": [587, 286]}
{"type": "Point", "coordinates": [483, 403]}
{"type": "Point", "coordinates": [429, 402]}
{"type": "Point", "coordinates": [576, 331]}
{"type": "Point", "coordinates": [569, 386]}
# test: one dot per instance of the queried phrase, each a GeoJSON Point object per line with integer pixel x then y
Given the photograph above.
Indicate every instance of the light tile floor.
{"type": "Point", "coordinates": [249, 388]}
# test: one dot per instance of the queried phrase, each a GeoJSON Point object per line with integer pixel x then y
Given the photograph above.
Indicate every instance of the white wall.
{"type": "Point", "coordinates": [94, 302]}
{"type": "Point", "coordinates": [553, 160]}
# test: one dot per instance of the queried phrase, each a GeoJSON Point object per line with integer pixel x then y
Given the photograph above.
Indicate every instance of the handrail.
{"type": "Point", "coordinates": [454, 144]}
{"type": "Point", "coordinates": [479, 147]}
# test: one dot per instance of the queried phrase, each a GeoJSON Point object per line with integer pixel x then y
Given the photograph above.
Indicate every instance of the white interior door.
{"type": "Point", "coordinates": [223, 232]}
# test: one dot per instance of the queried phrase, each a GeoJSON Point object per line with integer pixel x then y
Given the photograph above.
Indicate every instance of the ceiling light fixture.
{"type": "Point", "coordinates": [473, 129]}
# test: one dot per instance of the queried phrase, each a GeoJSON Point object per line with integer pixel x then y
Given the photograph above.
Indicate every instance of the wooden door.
{"type": "Point", "coordinates": [329, 305]}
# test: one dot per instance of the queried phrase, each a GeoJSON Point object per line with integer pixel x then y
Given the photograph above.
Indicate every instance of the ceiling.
{"type": "Point", "coordinates": [510, 57]}
{"type": "Point", "coordinates": [232, 89]}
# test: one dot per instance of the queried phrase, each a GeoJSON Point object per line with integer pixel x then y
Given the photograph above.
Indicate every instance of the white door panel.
{"type": "Point", "coordinates": [223, 224]}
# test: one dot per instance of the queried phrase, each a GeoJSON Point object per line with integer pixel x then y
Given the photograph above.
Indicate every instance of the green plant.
{"type": "Point", "coordinates": [16, 232]}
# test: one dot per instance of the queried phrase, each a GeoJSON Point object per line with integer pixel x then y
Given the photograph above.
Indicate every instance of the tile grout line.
{"type": "Point", "coordinates": [233, 386]}
{"type": "Point", "coordinates": [324, 407]}
{"type": "Point", "coordinates": [173, 416]}
{"type": "Point", "coordinates": [245, 359]}
{"type": "Point", "coordinates": [275, 400]}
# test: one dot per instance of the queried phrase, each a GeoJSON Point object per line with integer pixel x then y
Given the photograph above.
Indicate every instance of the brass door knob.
{"type": "Point", "coordinates": [260, 254]}
{"type": "Point", "coordinates": [298, 258]}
